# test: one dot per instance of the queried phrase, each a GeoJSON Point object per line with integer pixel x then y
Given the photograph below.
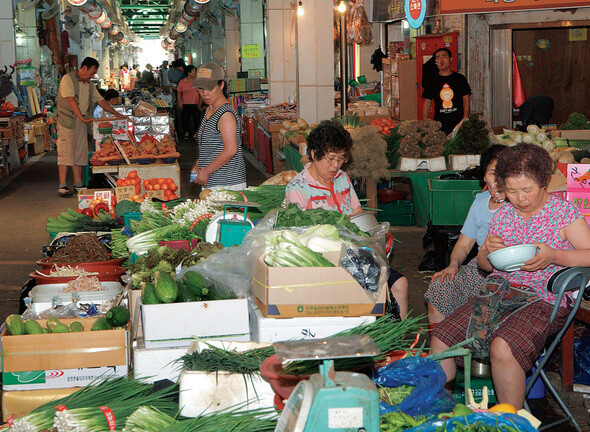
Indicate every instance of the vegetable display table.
{"type": "Point", "coordinates": [145, 172]}
{"type": "Point", "coordinates": [419, 188]}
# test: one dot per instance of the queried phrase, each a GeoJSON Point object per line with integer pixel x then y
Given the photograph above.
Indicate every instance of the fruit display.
{"type": "Point", "coordinates": [384, 125]}
{"type": "Point", "coordinates": [164, 184]}
{"type": "Point", "coordinates": [160, 103]}
{"type": "Point", "coordinates": [147, 149]}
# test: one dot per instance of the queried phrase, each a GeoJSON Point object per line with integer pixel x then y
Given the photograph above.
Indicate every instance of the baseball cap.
{"type": "Point", "coordinates": [208, 75]}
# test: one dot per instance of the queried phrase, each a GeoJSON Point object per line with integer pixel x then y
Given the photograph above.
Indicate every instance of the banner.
{"type": "Point", "coordinates": [487, 6]}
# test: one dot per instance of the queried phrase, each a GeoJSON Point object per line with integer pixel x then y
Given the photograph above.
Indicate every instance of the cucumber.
{"type": "Point", "coordinates": [52, 322]}
{"type": "Point", "coordinates": [76, 326]}
{"type": "Point", "coordinates": [196, 282]}
{"type": "Point", "coordinates": [60, 328]}
{"type": "Point", "coordinates": [118, 316]}
{"type": "Point", "coordinates": [44, 330]}
{"type": "Point", "coordinates": [33, 327]}
{"type": "Point", "coordinates": [15, 325]}
{"type": "Point", "coordinates": [148, 294]}
{"type": "Point", "coordinates": [185, 294]}
{"type": "Point", "coordinates": [166, 288]}
{"type": "Point", "coordinates": [101, 324]}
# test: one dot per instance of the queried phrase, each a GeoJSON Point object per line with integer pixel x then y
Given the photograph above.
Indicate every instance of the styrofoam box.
{"type": "Point", "coordinates": [279, 329]}
{"type": "Point", "coordinates": [202, 392]}
{"type": "Point", "coordinates": [43, 295]}
{"type": "Point", "coordinates": [179, 324]}
{"type": "Point", "coordinates": [431, 164]}
{"type": "Point", "coordinates": [157, 363]}
{"type": "Point", "coordinates": [462, 162]}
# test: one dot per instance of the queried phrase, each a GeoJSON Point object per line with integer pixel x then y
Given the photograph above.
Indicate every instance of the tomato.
{"type": "Point", "coordinates": [164, 186]}
{"type": "Point", "coordinates": [173, 187]}
{"type": "Point", "coordinates": [173, 196]}
{"type": "Point", "coordinates": [99, 207]}
{"type": "Point", "coordinates": [153, 181]}
{"type": "Point", "coordinates": [135, 197]}
{"type": "Point", "coordinates": [132, 175]}
{"type": "Point", "coordinates": [88, 212]}
{"type": "Point", "coordinates": [119, 182]}
{"type": "Point", "coordinates": [145, 183]}
{"type": "Point", "coordinates": [137, 188]}
{"type": "Point", "coordinates": [169, 180]}
{"type": "Point", "coordinates": [160, 181]}
{"type": "Point", "coordinates": [157, 186]}
{"type": "Point", "coordinates": [149, 187]}
{"type": "Point", "coordinates": [113, 201]}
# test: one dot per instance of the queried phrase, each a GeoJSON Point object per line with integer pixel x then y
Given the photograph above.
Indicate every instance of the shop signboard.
{"type": "Point", "coordinates": [490, 6]}
{"type": "Point", "coordinates": [415, 11]}
{"type": "Point", "coordinates": [396, 10]}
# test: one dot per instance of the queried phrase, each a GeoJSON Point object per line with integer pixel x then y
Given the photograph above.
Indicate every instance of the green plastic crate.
{"type": "Point", "coordinates": [477, 385]}
{"type": "Point", "coordinates": [450, 200]}
{"type": "Point", "coordinates": [293, 158]}
{"type": "Point", "coordinates": [397, 213]}
{"type": "Point", "coordinates": [128, 217]}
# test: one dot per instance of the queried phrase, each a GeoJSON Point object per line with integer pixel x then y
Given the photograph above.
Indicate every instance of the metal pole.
{"type": "Point", "coordinates": [343, 65]}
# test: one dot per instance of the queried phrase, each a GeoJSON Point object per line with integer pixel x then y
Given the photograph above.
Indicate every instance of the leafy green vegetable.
{"type": "Point", "coordinates": [395, 395]}
{"type": "Point", "coordinates": [293, 216]}
{"type": "Point", "coordinates": [393, 141]}
{"type": "Point", "coordinates": [471, 138]}
{"type": "Point", "coordinates": [126, 206]}
{"type": "Point", "coordinates": [575, 121]}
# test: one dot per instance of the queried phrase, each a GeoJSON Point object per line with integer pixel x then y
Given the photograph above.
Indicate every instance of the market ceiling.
{"type": "Point", "coordinates": [145, 17]}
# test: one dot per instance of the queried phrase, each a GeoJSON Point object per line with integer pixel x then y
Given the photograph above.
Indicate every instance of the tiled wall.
{"type": "Point", "coordinates": [232, 43]}
{"type": "Point", "coordinates": [7, 42]}
{"type": "Point", "coordinates": [252, 31]}
{"type": "Point", "coordinates": [282, 62]}
{"type": "Point", "coordinates": [315, 61]}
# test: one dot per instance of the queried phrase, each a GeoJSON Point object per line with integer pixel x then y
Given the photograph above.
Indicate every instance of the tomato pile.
{"type": "Point", "coordinates": [384, 125]}
{"type": "Point", "coordinates": [165, 184]}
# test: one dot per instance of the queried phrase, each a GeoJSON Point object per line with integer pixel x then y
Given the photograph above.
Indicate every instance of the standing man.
{"type": "Point", "coordinates": [75, 99]}
{"type": "Point", "coordinates": [175, 74]}
{"type": "Point", "coordinates": [450, 91]}
{"type": "Point", "coordinates": [164, 83]}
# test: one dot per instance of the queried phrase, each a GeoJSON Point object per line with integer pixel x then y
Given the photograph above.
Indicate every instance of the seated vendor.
{"type": "Point", "coordinates": [322, 184]}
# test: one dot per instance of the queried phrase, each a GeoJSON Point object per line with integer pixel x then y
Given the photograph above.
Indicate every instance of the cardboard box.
{"type": "Point", "coordinates": [289, 292]}
{"type": "Point", "coordinates": [275, 329]}
{"type": "Point", "coordinates": [87, 195]}
{"type": "Point", "coordinates": [20, 403]}
{"type": "Point", "coordinates": [61, 378]}
{"type": "Point", "coordinates": [270, 127]}
{"type": "Point", "coordinates": [178, 324]}
{"type": "Point", "coordinates": [64, 350]}
{"type": "Point", "coordinates": [571, 134]}
{"type": "Point", "coordinates": [157, 363]}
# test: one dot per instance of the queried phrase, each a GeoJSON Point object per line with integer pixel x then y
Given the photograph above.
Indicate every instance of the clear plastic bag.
{"type": "Point", "coordinates": [366, 267]}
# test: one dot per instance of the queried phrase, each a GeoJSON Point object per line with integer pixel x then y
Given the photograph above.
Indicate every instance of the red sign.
{"type": "Point", "coordinates": [483, 6]}
{"type": "Point", "coordinates": [415, 8]}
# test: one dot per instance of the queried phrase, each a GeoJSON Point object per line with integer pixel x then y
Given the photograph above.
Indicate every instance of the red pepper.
{"type": "Point", "coordinates": [88, 212]}
{"type": "Point", "coordinates": [79, 210]}
{"type": "Point", "coordinates": [99, 207]}
{"type": "Point", "coordinates": [113, 201]}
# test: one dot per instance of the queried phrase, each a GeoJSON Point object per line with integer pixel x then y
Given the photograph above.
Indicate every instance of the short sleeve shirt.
{"type": "Point", "coordinates": [66, 89]}
{"type": "Point", "coordinates": [308, 193]}
{"type": "Point", "coordinates": [478, 220]}
{"type": "Point", "coordinates": [543, 227]}
{"type": "Point", "coordinates": [447, 91]}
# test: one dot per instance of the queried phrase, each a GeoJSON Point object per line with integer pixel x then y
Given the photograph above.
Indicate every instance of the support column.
{"type": "Point", "coordinates": [7, 40]}
{"type": "Point", "coordinates": [281, 55]}
{"type": "Point", "coordinates": [232, 45]}
{"type": "Point", "coordinates": [315, 61]}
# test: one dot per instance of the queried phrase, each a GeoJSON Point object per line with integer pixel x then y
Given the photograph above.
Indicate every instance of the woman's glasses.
{"type": "Point", "coordinates": [336, 160]}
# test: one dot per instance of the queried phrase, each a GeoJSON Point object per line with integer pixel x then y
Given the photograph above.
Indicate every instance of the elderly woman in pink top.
{"type": "Point", "coordinates": [323, 184]}
{"type": "Point", "coordinates": [515, 339]}
{"type": "Point", "coordinates": [189, 103]}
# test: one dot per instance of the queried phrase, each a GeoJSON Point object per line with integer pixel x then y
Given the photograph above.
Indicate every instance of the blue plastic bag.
{"type": "Point", "coordinates": [582, 361]}
{"type": "Point", "coordinates": [490, 419]}
{"type": "Point", "coordinates": [429, 397]}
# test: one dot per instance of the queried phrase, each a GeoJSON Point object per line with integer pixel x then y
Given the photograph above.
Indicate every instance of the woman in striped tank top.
{"type": "Point", "coordinates": [220, 163]}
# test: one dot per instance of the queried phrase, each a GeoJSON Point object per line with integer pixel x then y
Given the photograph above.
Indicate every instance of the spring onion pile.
{"type": "Point", "coordinates": [119, 244]}
{"type": "Point", "coordinates": [388, 335]}
{"type": "Point", "coordinates": [142, 243]}
{"type": "Point", "coordinates": [287, 251]}
{"type": "Point", "coordinates": [236, 419]}
{"type": "Point", "coordinates": [215, 359]}
{"type": "Point", "coordinates": [268, 196]}
{"type": "Point", "coordinates": [110, 392]}
{"type": "Point", "coordinates": [148, 419]}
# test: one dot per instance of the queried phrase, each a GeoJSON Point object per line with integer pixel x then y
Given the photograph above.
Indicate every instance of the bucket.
{"type": "Point", "coordinates": [538, 389]}
{"type": "Point", "coordinates": [365, 221]}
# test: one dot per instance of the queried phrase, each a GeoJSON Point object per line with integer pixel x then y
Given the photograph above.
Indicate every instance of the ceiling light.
{"type": "Point", "coordinates": [19, 33]}
{"type": "Point", "coordinates": [300, 11]}
{"type": "Point", "coordinates": [342, 7]}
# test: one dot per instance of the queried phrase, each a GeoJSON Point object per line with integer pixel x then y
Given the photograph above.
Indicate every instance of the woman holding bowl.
{"type": "Point", "coordinates": [456, 284]}
{"type": "Point", "coordinates": [531, 216]}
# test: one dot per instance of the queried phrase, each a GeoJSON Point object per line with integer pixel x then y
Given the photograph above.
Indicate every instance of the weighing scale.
{"type": "Point", "coordinates": [228, 229]}
{"type": "Point", "coordinates": [330, 401]}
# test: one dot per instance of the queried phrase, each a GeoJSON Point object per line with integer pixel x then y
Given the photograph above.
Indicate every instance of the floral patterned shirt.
{"type": "Point", "coordinates": [542, 227]}
{"type": "Point", "coordinates": [308, 193]}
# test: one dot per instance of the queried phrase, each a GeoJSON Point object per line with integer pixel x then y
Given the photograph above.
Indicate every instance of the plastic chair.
{"type": "Point", "coordinates": [566, 280]}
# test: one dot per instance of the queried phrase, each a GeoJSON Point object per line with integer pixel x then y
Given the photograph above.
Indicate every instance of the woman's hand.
{"type": "Point", "coordinates": [202, 177]}
{"type": "Point", "coordinates": [450, 271]}
{"type": "Point", "coordinates": [493, 243]}
{"type": "Point", "coordinates": [544, 258]}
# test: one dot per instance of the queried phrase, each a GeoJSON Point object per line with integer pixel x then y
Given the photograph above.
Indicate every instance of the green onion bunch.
{"type": "Point", "coordinates": [234, 419]}
{"type": "Point", "coordinates": [148, 419]}
{"type": "Point", "coordinates": [215, 359]}
{"type": "Point", "coordinates": [388, 335]}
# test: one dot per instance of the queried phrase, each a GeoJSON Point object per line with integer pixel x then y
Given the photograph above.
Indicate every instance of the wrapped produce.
{"type": "Point", "coordinates": [359, 24]}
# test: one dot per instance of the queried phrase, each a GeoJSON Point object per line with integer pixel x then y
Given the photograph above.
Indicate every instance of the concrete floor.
{"type": "Point", "coordinates": [30, 197]}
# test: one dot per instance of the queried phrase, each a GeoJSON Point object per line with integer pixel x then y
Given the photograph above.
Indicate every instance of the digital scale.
{"type": "Point", "coordinates": [230, 228]}
{"type": "Point", "coordinates": [330, 401]}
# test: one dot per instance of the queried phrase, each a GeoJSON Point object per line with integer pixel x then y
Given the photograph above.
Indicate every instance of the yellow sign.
{"type": "Point", "coordinates": [155, 194]}
{"type": "Point", "coordinates": [250, 51]}
{"type": "Point", "coordinates": [578, 34]}
{"type": "Point", "coordinates": [483, 6]}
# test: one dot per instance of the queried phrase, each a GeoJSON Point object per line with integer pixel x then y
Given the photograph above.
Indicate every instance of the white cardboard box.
{"type": "Point", "coordinates": [157, 363]}
{"type": "Point", "coordinates": [202, 392]}
{"type": "Point", "coordinates": [462, 162]}
{"type": "Point", "coordinates": [52, 379]}
{"type": "Point", "coordinates": [179, 324]}
{"type": "Point", "coordinates": [279, 329]}
{"type": "Point", "coordinates": [413, 164]}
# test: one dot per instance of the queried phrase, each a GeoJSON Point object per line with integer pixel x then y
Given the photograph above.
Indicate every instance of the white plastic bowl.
{"type": "Point", "coordinates": [512, 258]}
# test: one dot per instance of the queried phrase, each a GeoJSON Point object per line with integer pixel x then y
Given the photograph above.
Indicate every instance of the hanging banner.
{"type": "Point", "coordinates": [415, 11]}
{"type": "Point", "coordinates": [487, 6]}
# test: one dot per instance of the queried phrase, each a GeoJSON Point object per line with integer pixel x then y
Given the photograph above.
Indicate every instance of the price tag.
{"type": "Point", "coordinates": [155, 194]}
{"type": "Point", "coordinates": [105, 195]}
{"type": "Point", "coordinates": [110, 417]}
{"type": "Point", "coordinates": [250, 51]}
{"type": "Point", "coordinates": [124, 193]}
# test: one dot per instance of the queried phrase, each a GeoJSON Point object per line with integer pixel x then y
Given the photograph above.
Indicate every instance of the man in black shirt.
{"type": "Point", "coordinates": [450, 91]}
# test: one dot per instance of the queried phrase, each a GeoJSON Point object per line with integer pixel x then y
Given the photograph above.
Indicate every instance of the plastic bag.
{"type": "Point", "coordinates": [366, 267]}
{"type": "Point", "coordinates": [428, 397]}
{"type": "Point", "coordinates": [582, 361]}
{"type": "Point", "coordinates": [491, 419]}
